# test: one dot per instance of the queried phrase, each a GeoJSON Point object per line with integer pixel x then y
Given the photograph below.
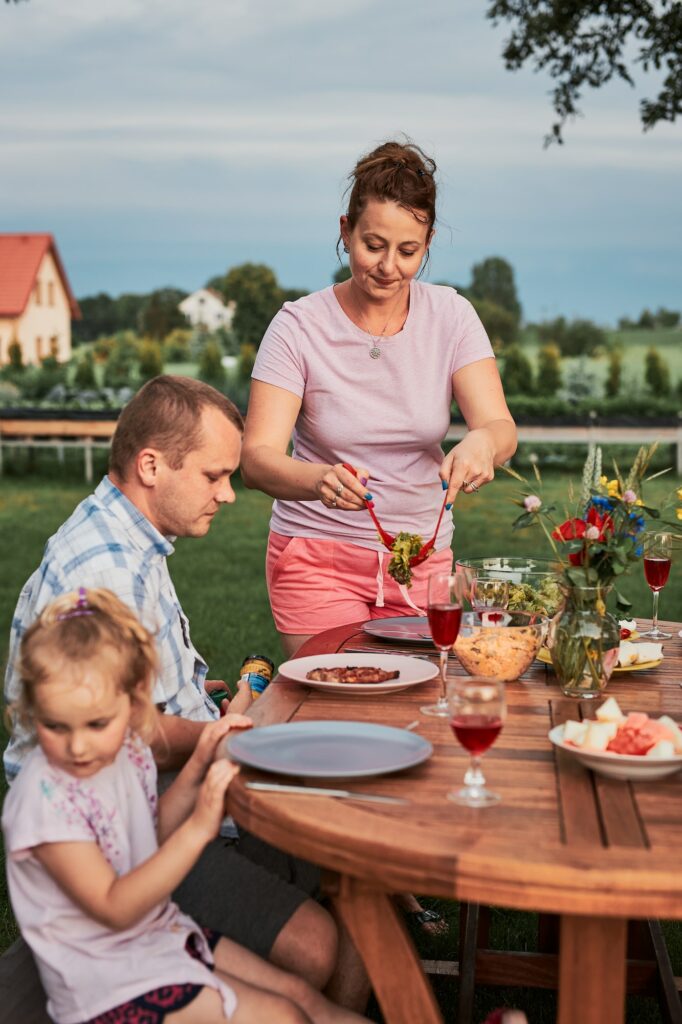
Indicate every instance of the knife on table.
{"type": "Point", "coordinates": [345, 794]}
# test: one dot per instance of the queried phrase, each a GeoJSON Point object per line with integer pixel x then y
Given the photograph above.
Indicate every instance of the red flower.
{"type": "Point", "coordinates": [572, 529]}
{"type": "Point", "coordinates": [604, 523]}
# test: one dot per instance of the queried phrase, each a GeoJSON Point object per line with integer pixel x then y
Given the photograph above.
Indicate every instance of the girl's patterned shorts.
{"type": "Point", "coordinates": [152, 1007]}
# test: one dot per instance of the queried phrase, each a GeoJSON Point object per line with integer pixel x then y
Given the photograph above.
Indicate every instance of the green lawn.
{"type": "Point", "coordinates": [220, 582]}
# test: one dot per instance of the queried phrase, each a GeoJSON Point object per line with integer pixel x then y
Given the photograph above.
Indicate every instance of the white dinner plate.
{"type": "Point", "coordinates": [329, 750]}
{"type": "Point", "coordinates": [545, 657]}
{"type": "Point", "coordinates": [408, 629]}
{"type": "Point", "coordinates": [618, 766]}
{"type": "Point", "coordinates": [412, 671]}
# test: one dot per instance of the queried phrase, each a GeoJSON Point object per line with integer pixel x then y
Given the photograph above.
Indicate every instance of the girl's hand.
{"type": "Point", "coordinates": [207, 746]}
{"type": "Point", "coordinates": [338, 488]}
{"type": "Point", "coordinates": [209, 809]}
{"type": "Point", "coordinates": [469, 465]}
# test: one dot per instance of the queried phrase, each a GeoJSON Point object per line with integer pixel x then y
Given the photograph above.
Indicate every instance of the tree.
{"type": "Point", "coordinates": [657, 373]}
{"type": "Point", "coordinates": [501, 325]}
{"type": "Point", "coordinates": [614, 374]}
{"type": "Point", "coordinates": [119, 367]}
{"type": "Point", "coordinates": [254, 288]}
{"type": "Point", "coordinates": [549, 370]}
{"type": "Point", "coordinates": [586, 43]}
{"type": "Point", "coordinates": [581, 338]}
{"type": "Point", "coordinates": [646, 320]}
{"type": "Point", "coordinates": [15, 355]}
{"type": "Point", "coordinates": [667, 318]}
{"type": "Point", "coordinates": [160, 314]}
{"type": "Point", "coordinates": [493, 279]}
{"type": "Point", "coordinates": [341, 273]}
{"type": "Point", "coordinates": [517, 373]}
{"type": "Point", "coordinates": [247, 357]}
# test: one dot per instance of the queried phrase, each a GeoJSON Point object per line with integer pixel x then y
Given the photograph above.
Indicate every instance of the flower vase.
{"type": "Point", "coordinates": [583, 642]}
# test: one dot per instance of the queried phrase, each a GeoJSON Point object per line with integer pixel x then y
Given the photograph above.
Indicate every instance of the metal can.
{"type": "Point", "coordinates": [257, 670]}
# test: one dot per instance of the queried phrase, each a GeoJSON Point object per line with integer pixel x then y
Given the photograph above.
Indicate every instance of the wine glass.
{"type": "Point", "coordinates": [489, 593]}
{"type": "Point", "coordinates": [658, 552]}
{"type": "Point", "coordinates": [477, 710]}
{"type": "Point", "coordinates": [446, 594]}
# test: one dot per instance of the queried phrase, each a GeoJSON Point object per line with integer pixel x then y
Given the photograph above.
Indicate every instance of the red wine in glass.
{"type": "Point", "coordinates": [476, 732]}
{"type": "Point", "coordinates": [658, 551]}
{"type": "Point", "coordinates": [444, 621]}
{"type": "Point", "coordinates": [657, 571]}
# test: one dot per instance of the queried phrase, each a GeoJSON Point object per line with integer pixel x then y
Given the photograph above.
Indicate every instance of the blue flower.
{"type": "Point", "coordinates": [637, 522]}
{"type": "Point", "coordinates": [602, 502]}
{"type": "Point", "coordinates": [639, 550]}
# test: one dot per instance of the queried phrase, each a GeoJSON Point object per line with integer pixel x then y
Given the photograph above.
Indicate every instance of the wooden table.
{"type": "Point", "coordinates": [593, 850]}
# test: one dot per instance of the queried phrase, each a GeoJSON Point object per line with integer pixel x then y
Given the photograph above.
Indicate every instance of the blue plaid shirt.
{"type": "Point", "coordinates": [107, 542]}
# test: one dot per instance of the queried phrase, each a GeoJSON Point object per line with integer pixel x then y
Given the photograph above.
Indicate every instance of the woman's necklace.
{"type": "Point", "coordinates": [375, 351]}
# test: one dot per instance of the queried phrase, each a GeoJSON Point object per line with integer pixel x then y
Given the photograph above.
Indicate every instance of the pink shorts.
{"type": "Point", "coordinates": [317, 584]}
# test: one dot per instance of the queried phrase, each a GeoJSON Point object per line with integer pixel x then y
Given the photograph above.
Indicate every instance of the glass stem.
{"type": "Point", "coordinates": [474, 776]}
{"type": "Point", "coordinates": [443, 675]}
{"type": "Point", "coordinates": [655, 615]}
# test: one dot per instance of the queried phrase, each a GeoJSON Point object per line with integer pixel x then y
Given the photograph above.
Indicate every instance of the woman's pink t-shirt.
{"type": "Point", "coordinates": [388, 414]}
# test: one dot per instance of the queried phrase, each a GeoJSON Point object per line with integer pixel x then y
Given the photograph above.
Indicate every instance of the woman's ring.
{"type": "Point", "coordinates": [471, 485]}
{"type": "Point", "coordinates": [339, 490]}
{"type": "Point", "coordinates": [333, 503]}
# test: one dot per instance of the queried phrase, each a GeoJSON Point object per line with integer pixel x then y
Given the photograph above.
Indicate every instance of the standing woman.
{"type": "Point", "coordinates": [364, 372]}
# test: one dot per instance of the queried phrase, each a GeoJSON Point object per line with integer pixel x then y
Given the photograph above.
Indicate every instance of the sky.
{"type": "Point", "coordinates": [164, 141]}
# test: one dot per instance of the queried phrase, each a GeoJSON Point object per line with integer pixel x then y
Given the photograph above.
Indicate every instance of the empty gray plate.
{"type": "Point", "coordinates": [408, 629]}
{"type": "Point", "coordinates": [328, 750]}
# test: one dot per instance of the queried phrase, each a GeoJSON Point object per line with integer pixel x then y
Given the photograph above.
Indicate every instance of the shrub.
{"type": "Point", "coordinates": [151, 360]}
{"type": "Point", "coordinates": [549, 370]}
{"type": "Point", "coordinates": [247, 357]}
{"type": "Point", "coordinates": [211, 369]}
{"type": "Point", "coordinates": [176, 346]}
{"type": "Point", "coordinates": [84, 377]}
{"type": "Point", "coordinates": [120, 366]}
{"type": "Point", "coordinates": [657, 373]}
{"type": "Point", "coordinates": [517, 373]}
{"type": "Point", "coordinates": [615, 374]}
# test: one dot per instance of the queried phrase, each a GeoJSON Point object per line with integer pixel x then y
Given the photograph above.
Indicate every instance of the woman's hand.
{"type": "Point", "coordinates": [470, 464]}
{"type": "Point", "coordinates": [339, 488]}
{"type": "Point", "coordinates": [209, 810]}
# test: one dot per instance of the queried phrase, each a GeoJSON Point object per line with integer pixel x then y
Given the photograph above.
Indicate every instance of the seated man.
{"type": "Point", "coordinates": [177, 444]}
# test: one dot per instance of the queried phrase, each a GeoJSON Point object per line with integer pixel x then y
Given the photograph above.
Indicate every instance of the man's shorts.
{"type": "Point", "coordinates": [318, 584]}
{"type": "Point", "coordinates": [247, 890]}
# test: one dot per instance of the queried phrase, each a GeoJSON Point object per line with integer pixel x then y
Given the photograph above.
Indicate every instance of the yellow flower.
{"type": "Point", "coordinates": [678, 513]}
{"type": "Point", "coordinates": [679, 493]}
{"type": "Point", "coordinates": [603, 480]}
{"type": "Point", "coordinates": [613, 488]}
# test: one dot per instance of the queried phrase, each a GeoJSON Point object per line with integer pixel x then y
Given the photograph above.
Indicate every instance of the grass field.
{"type": "Point", "coordinates": [220, 582]}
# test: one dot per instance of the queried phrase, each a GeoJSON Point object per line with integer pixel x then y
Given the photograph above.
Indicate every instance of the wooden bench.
{"type": "Point", "coordinates": [57, 434]}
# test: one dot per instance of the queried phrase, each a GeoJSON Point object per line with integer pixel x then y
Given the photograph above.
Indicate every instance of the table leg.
{"type": "Point", "coordinates": [392, 963]}
{"type": "Point", "coordinates": [592, 954]}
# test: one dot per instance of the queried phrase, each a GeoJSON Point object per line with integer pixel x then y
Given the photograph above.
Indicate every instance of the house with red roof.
{"type": "Point", "coordinates": [36, 301]}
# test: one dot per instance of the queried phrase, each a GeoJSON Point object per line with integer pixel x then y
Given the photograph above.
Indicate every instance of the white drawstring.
{"type": "Point", "coordinates": [408, 599]}
{"type": "Point", "coordinates": [379, 601]}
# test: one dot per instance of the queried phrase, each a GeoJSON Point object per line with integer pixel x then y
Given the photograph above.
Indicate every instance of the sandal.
{"type": "Point", "coordinates": [430, 921]}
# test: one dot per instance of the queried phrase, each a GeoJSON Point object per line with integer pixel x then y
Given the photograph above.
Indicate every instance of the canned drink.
{"type": "Point", "coordinates": [257, 670]}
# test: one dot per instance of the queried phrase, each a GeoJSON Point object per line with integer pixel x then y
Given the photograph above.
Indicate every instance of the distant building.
{"type": "Point", "coordinates": [36, 301]}
{"type": "Point", "coordinates": [206, 308]}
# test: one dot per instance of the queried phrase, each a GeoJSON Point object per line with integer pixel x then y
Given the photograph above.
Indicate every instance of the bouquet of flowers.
{"type": "Point", "coordinates": [596, 543]}
{"type": "Point", "coordinates": [602, 538]}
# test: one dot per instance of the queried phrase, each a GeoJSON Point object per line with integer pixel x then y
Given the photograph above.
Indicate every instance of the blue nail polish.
{"type": "Point", "coordinates": [444, 484]}
{"type": "Point", "coordinates": [368, 496]}
{"type": "Point", "coordinates": [448, 506]}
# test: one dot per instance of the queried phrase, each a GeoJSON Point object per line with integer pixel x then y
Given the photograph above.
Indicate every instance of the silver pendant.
{"type": "Point", "coordinates": [374, 352]}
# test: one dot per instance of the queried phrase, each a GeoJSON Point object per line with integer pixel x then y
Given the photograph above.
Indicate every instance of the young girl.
{"type": "Point", "coordinates": [92, 859]}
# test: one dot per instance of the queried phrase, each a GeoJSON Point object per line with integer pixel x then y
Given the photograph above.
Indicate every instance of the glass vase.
{"type": "Point", "coordinates": [583, 642]}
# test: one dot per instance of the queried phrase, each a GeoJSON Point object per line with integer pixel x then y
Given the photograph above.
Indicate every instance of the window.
{"type": "Point", "coordinates": [50, 293]}
{"type": "Point", "coordinates": [36, 293]}
{"type": "Point", "coordinates": [54, 345]}
{"type": "Point", "coordinates": [39, 347]}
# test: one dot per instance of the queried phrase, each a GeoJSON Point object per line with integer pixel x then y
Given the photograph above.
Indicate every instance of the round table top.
{"type": "Point", "coordinates": [560, 840]}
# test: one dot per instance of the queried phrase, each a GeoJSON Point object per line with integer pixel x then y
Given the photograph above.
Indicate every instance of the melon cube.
{"type": "Point", "coordinates": [663, 750]}
{"type": "Point", "coordinates": [609, 711]}
{"type": "Point", "coordinates": [600, 734]}
{"type": "Point", "coordinates": [575, 732]}
{"type": "Point", "coordinates": [674, 730]}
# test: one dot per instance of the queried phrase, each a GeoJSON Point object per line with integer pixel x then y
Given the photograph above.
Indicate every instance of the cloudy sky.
{"type": "Point", "coordinates": [163, 141]}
